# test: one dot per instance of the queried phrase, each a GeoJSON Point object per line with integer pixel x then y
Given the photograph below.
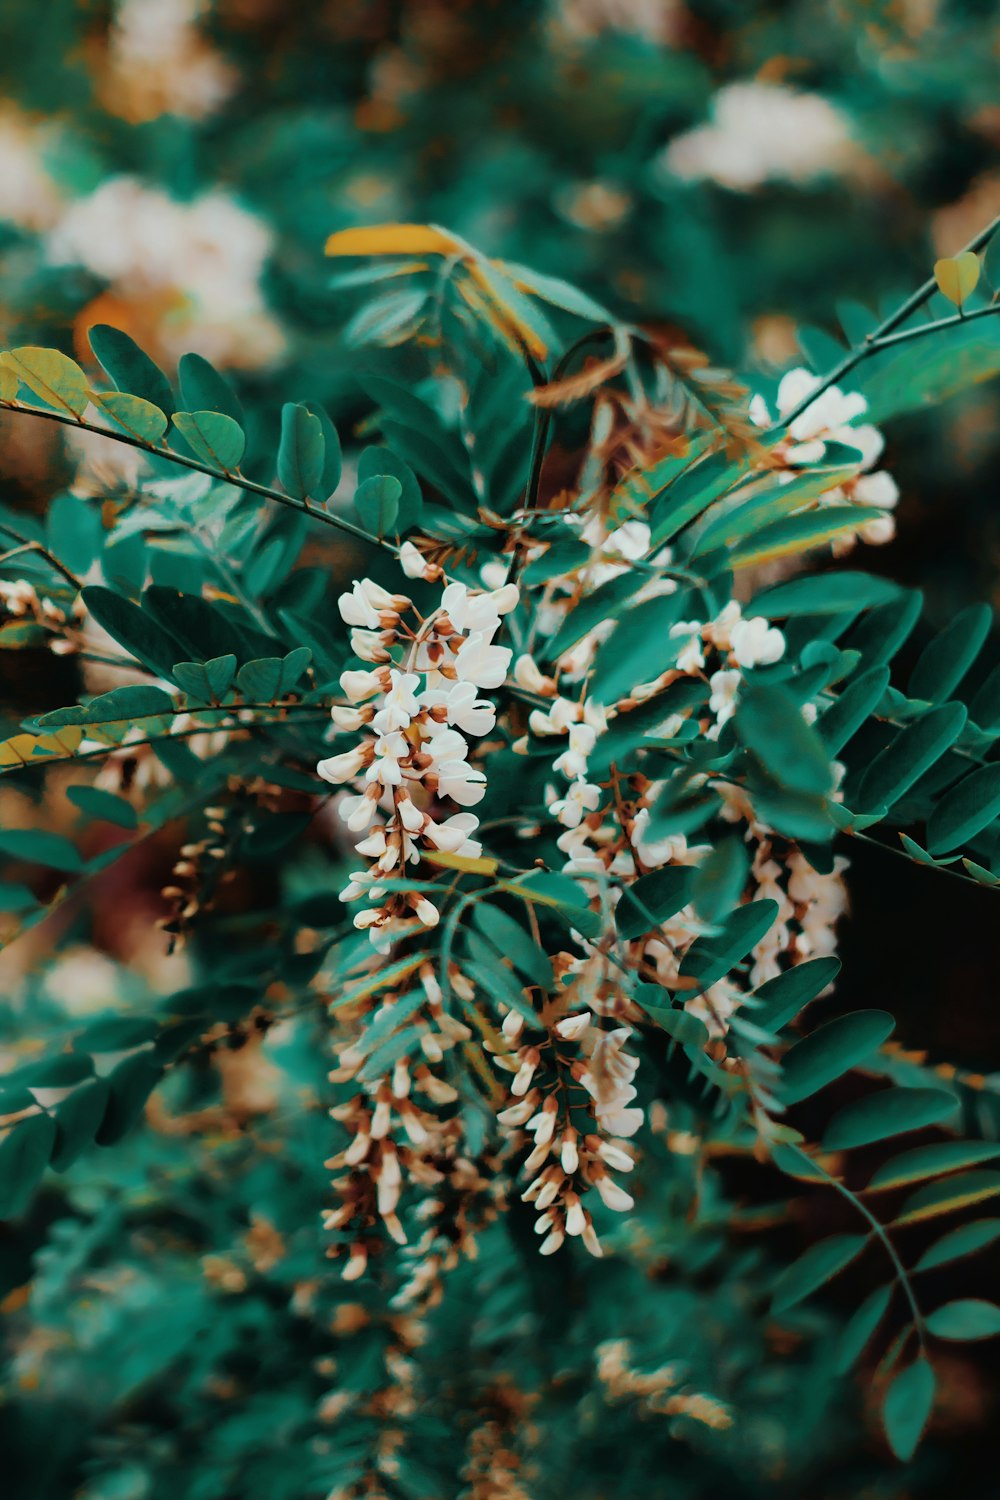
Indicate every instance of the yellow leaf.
{"type": "Point", "coordinates": [480, 866]}
{"type": "Point", "coordinates": [394, 239]}
{"type": "Point", "coordinates": [56, 378]}
{"type": "Point", "coordinates": [26, 749]}
{"type": "Point", "coordinates": [8, 383]}
{"type": "Point", "coordinates": [957, 276]}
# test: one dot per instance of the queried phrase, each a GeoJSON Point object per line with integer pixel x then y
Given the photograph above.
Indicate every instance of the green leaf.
{"type": "Point", "coordinates": [782, 998]}
{"type": "Point", "coordinates": [559, 293]}
{"type": "Point", "coordinates": [206, 681]}
{"type": "Point", "coordinates": [652, 900]}
{"type": "Point", "coordinates": [378, 461]}
{"type": "Point", "coordinates": [271, 677]}
{"type": "Point", "coordinates": [719, 879]}
{"type": "Point", "coordinates": [24, 1153]}
{"type": "Point", "coordinates": [78, 1118]}
{"type": "Point", "coordinates": [819, 1264]}
{"type": "Point", "coordinates": [138, 418]}
{"type": "Point", "coordinates": [55, 378]}
{"type": "Point", "coordinates": [376, 501]}
{"type": "Point", "coordinates": [605, 603]}
{"type": "Point", "coordinates": [332, 458]}
{"type": "Point", "coordinates": [907, 1408]}
{"type": "Point", "coordinates": [823, 594]}
{"type": "Point", "coordinates": [965, 1240]}
{"type": "Point", "coordinates": [892, 1111]}
{"type": "Point", "coordinates": [799, 533]}
{"type": "Point", "coordinates": [946, 1197]}
{"type": "Point", "coordinates": [203, 389]}
{"type": "Point", "coordinates": [860, 1327]}
{"type": "Point", "coordinates": [931, 1161]}
{"type": "Point", "coordinates": [712, 956]}
{"type": "Point", "coordinates": [130, 367]}
{"type": "Point", "coordinates": [912, 752]}
{"type": "Point", "coordinates": [769, 722]}
{"type": "Point", "coordinates": [966, 810]}
{"type": "Point", "coordinates": [133, 628]}
{"type": "Point", "coordinates": [684, 1028]}
{"type": "Point", "coordinates": [130, 1085]}
{"type": "Point", "coordinates": [945, 660]}
{"type": "Point", "coordinates": [39, 847]}
{"type": "Point", "coordinates": [212, 437]}
{"type": "Point", "coordinates": [842, 720]}
{"type": "Point", "coordinates": [301, 452]}
{"type": "Point", "coordinates": [113, 712]}
{"type": "Point", "coordinates": [106, 805]}
{"type": "Point", "coordinates": [561, 893]}
{"type": "Point", "coordinates": [966, 1318]}
{"type": "Point", "coordinates": [638, 649]}
{"type": "Point", "coordinates": [511, 941]}
{"type": "Point", "coordinates": [830, 1051]}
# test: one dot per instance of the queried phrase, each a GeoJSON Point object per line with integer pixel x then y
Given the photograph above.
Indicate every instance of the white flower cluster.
{"type": "Point", "coordinates": [416, 781]}
{"type": "Point", "coordinates": [833, 418]}
{"type": "Point", "coordinates": [563, 1164]}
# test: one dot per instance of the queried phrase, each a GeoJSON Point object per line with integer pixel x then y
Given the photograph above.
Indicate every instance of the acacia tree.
{"type": "Point", "coordinates": [544, 820]}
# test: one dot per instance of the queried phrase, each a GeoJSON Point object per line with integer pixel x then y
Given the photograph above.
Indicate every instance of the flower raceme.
{"type": "Point", "coordinates": [412, 778]}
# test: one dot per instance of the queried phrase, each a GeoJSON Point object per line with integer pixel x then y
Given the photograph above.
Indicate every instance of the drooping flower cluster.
{"type": "Point", "coordinates": [412, 768]}
{"type": "Point", "coordinates": [572, 1094]}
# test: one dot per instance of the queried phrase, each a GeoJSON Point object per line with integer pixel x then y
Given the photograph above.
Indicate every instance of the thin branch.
{"type": "Point", "coordinates": [878, 338]}
{"type": "Point", "coordinates": [223, 476]}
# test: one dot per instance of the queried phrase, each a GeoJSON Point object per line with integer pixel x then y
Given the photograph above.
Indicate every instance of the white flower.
{"type": "Point", "coordinates": [452, 835]}
{"type": "Point", "coordinates": [368, 645]}
{"type": "Point", "coordinates": [459, 781]}
{"type": "Point", "coordinates": [630, 540]}
{"type": "Point", "coordinates": [573, 761]}
{"type": "Point", "coordinates": [691, 658]}
{"type": "Point", "coordinates": [341, 768]}
{"type": "Point", "coordinates": [473, 715]}
{"type": "Point", "coordinates": [478, 611]}
{"type": "Point", "coordinates": [390, 749]}
{"type": "Point", "coordinates": [581, 798]}
{"type": "Point", "coordinates": [763, 132]}
{"type": "Point", "coordinates": [876, 489]}
{"type": "Point", "coordinates": [480, 663]}
{"type": "Point", "coordinates": [528, 675]}
{"type": "Point", "coordinates": [359, 685]}
{"type": "Point", "coordinates": [755, 643]}
{"type": "Point", "coordinates": [722, 701]}
{"type": "Point", "coordinates": [413, 563]}
{"type": "Point", "coordinates": [356, 608]}
{"type": "Point", "coordinates": [400, 702]}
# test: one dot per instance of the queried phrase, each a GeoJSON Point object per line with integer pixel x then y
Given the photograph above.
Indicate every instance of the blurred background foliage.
{"type": "Point", "coordinates": [728, 172]}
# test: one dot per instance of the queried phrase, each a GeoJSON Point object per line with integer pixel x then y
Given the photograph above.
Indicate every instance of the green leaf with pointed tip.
{"type": "Point", "coordinates": [684, 1028]}
{"type": "Point", "coordinates": [510, 940]}
{"type": "Point", "coordinates": [39, 847]}
{"type": "Point", "coordinates": [931, 1161]}
{"type": "Point", "coordinates": [212, 437]}
{"type": "Point", "coordinates": [562, 894]}
{"type": "Point", "coordinates": [823, 594]}
{"type": "Point", "coordinates": [907, 1408]}
{"type": "Point", "coordinates": [818, 1265]}
{"type": "Point", "coordinates": [946, 1197]}
{"type": "Point", "coordinates": [121, 707]}
{"type": "Point", "coordinates": [719, 879]}
{"type": "Point", "coordinates": [769, 723]}
{"type": "Point", "coordinates": [860, 1327]}
{"type": "Point", "coordinates": [204, 389]}
{"type": "Point", "coordinates": [831, 1051]}
{"type": "Point", "coordinates": [966, 810]}
{"type": "Point", "coordinates": [782, 998]}
{"type": "Point", "coordinates": [652, 900]}
{"type": "Point", "coordinates": [78, 1118]}
{"type": "Point", "coordinates": [376, 501]}
{"type": "Point", "coordinates": [945, 660]}
{"type": "Point", "coordinates": [106, 805]}
{"type": "Point", "coordinates": [888, 1112]}
{"type": "Point", "coordinates": [53, 377]}
{"type": "Point", "coordinates": [912, 752]}
{"type": "Point", "coordinates": [799, 533]}
{"type": "Point", "coordinates": [301, 452]}
{"type": "Point", "coordinates": [140, 419]}
{"type": "Point", "coordinates": [966, 1318]}
{"type": "Point", "coordinates": [965, 1240]}
{"type": "Point", "coordinates": [130, 367]}
{"type": "Point", "coordinates": [712, 956]}
{"type": "Point", "coordinates": [842, 720]}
